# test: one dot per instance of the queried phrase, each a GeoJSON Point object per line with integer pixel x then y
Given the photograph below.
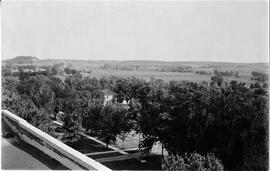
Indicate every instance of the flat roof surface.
{"type": "Point", "coordinates": [18, 155]}
{"type": "Point", "coordinates": [14, 158]}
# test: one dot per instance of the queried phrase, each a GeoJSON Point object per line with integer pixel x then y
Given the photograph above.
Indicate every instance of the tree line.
{"type": "Point", "coordinates": [160, 68]}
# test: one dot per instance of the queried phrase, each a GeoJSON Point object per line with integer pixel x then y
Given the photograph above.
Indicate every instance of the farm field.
{"type": "Point", "coordinates": [166, 76]}
{"type": "Point", "coordinates": [147, 75]}
{"type": "Point", "coordinates": [244, 70]}
{"type": "Point", "coordinates": [96, 69]}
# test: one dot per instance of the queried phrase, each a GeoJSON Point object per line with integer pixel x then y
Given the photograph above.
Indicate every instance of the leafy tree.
{"type": "Point", "coordinates": [259, 76]}
{"type": "Point", "coordinates": [122, 90]}
{"type": "Point", "coordinates": [151, 104]}
{"type": "Point", "coordinates": [67, 70]}
{"type": "Point", "coordinates": [260, 91]}
{"type": "Point", "coordinates": [236, 74]}
{"type": "Point", "coordinates": [106, 83]}
{"type": "Point", "coordinates": [77, 101]}
{"type": "Point", "coordinates": [6, 70]}
{"type": "Point", "coordinates": [229, 121]}
{"type": "Point", "coordinates": [125, 125]}
{"type": "Point", "coordinates": [74, 81]}
{"type": "Point", "coordinates": [39, 89]}
{"type": "Point", "coordinates": [109, 126]}
{"type": "Point", "coordinates": [92, 118]}
{"type": "Point", "coordinates": [71, 127]}
{"type": "Point", "coordinates": [41, 121]}
{"type": "Point", "coordinates": [57, 69]}
{"type": "Point", "coordinates": [207, 119]}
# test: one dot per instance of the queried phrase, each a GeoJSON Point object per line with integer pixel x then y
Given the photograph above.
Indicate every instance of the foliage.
{"type": "Point", "coordinates": [92, 117]}
{"type": "Point", "coordinates": [58, 69]}
{"type": "Point", "coordinates": [125, 126]}
{"type": "Point", "coordinates": [229, 121]}
{"type": "Point", "coordinates": [112, 115]}
{"type": "Point", "coordinates": [236, 74]}
{"type": "Point", "coordinates": [70, 71]}
{"type": "Point", "coordinates": [122, 90]}
{"type": "Point", "coordinates": [43, 123]}
{"type": "Point", "coordinates": [74, 81]}
{"type": "Point", "coordinates": [32, 99]}
{"type": "Point", "coordinates": [224, 73]}
{"type": "Point", "coordinates": [39, 89]}
{"type": "Point", "coordinates": [192, 162]}
{"type": "Point", "coordinates": [202, 72]}
{"type": "Point", "coordinates": [71, 127]}
{"type": "Point", "coordinates": [217, 79]}
{"type": "Point", "coordinates": [6, 70]}
{"type": "Point", "coordinates": [222, 120]}
{"type": "Point", "coordinates": [259, 76]}
{"type": "Point", "coordinates": [160, 68]}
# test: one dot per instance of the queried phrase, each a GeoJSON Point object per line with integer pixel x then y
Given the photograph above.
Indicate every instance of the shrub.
{"type": "Point", "coordinates": [193, 161]}
{"type": "Point", "coordinates": [217, 79]}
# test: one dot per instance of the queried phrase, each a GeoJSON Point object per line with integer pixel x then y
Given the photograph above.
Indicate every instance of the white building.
{"type": "Point", "coordinates": [108, 95]}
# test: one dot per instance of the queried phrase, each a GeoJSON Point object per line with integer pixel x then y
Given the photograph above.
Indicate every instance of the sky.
{"type": "Point", "coordinates": [227, 31]}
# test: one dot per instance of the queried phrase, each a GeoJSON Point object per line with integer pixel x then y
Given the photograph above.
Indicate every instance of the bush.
{"type": "Point", "coordinates": [202, 72]}
{"type": "Point", "coordinates": [217, 79]}
{"type": "Point", "coordinates": [193, 161]}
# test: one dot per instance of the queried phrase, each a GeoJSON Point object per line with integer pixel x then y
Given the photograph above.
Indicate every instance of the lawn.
{"type": "Point", "coordinates": [131, 141]}
{"type": "Point", "coordinates": [97, 156]}
{"type": "Point", "coordinates": [85, 145]}
{"type": "Point", "coordinates": [152, 163]}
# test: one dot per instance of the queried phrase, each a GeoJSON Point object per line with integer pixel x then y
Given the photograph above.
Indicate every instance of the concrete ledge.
{"type": "Point", "coordinates": [49, 145]}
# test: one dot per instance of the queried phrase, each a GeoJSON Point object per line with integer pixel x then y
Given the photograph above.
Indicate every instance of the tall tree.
{"type": "Point", "coordinates": [109, 126]}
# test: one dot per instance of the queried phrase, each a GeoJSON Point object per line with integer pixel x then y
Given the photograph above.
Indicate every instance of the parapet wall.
{"type": "Point", "coordinates": [66, 155]}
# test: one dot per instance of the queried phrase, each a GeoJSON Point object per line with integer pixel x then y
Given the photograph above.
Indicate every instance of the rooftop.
{"type": "Point", "coordinates": [17, 154]}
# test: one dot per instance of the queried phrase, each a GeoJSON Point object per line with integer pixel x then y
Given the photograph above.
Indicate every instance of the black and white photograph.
{"type": "Point", "coordinates": [135, 85]}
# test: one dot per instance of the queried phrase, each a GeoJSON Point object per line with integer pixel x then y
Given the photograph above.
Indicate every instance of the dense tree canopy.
{"type": "Point", "coordinates": [230, 121]}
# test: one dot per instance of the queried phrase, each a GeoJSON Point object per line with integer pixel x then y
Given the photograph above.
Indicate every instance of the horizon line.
{"type": "Point", "coordinates": [147, 60]}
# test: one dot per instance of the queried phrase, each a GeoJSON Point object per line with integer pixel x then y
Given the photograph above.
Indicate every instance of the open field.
{"type": "Point", "coordinates": [153, 163]}
{"type": "Point", "coordinates": [147, 75]}
{"type": "Point", "coordinates": [97, 70]}
{"type": "Point", "coordinates": [166, 76]}
{"type": "Point", "coordinates": [244, 69]}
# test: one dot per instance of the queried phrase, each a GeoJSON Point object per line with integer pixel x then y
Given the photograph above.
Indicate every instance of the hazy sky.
{"type": "Point", "coordinates": [231, 31]}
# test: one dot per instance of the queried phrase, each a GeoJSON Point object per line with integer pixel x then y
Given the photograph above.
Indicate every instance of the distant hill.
{"type": "Point", "coordinates": [22, 60]}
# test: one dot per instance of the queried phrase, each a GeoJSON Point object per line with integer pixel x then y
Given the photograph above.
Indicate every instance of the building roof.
{"type": "Point", "coordinates": [107, 92]}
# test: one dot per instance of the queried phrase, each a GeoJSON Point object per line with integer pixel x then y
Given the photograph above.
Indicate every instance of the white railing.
{"type": "Point", "coordinates": [66, 155]}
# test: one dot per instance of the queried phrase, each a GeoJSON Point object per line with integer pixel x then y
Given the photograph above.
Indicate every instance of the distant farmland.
{"type": "Point", "coordinates": [96, 69]}
{"type": "Point", "coordinates": [147, 75]}
{"type": "Point", "coordinates": [244, 71]}
{"type": "Point", "coordinates": [166, 76]}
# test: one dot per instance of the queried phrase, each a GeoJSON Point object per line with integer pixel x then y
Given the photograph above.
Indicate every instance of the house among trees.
{"type": "Point", "coordinates": [108, 95]}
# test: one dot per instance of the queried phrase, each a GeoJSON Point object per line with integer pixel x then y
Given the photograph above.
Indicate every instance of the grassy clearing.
{"type": "Point", "coordinates": [152, 163]}
{"type": "Point", "coordinates": [85, 145]}
{"type": "Point", "coordinates": [166, 76]}
{"type": "Point", "coordinates": [147, 75]}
